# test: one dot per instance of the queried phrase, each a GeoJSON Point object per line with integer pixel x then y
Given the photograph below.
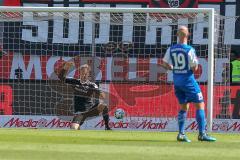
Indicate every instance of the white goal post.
{"type": "Point", "coordinates": [15, 14]}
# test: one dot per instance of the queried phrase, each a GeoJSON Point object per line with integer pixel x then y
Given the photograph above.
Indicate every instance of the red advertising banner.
{"type": "Point", "coordinates": [17, 2]}
{"type": "Point", "coordinates": [11, 2]}
{"type": "Point", "coordinates": [115, 1]}
{"type": "Point", "coordinates": [6, 99]}
{"type": "Point", "coordinates": [160, 101]}
{"type": "Point", "coordinates": [210, 1]}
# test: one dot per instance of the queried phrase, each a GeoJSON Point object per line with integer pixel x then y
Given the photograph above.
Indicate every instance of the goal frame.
{"type": "Point", "coordinates": [208, 11]}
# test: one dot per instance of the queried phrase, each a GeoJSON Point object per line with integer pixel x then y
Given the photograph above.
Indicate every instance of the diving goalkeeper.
{"type": "Point", "coordinates": [88, 99]}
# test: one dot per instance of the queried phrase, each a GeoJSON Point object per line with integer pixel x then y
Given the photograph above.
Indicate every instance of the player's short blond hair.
{"type": "Point", "coordinates": [85, 66]}
{"type": "Point", "coordinates": [183, 31]}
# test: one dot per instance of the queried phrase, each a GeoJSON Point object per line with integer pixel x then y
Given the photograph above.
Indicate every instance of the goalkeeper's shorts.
{"type": "Point", "coordinates": [80, 108]}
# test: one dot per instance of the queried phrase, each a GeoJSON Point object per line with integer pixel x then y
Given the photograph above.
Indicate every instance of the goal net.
{"type": "Point", "coordinates": [124, 48]}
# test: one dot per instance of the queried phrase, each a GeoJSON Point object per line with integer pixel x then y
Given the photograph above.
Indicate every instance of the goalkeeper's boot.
{"type": "Point", "coordinates": [206, 137]}
{"type": "Point", "coordinates": [79, 119]}
{"type": "Point", "coordinates": [182, 138]}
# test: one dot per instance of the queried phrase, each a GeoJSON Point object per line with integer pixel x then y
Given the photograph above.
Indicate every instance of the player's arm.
{"type": "Point", "coordinates": [72, 81]}
{"type": "Point", "coordinates": [193, 61]}
{"type": "Point", "coordinates": [195, 68]}
{"type": "Point", "coordinates": [102, 97]}
{"type": "Point", "coordinates": [64, 69]}
{"type": "Point", "coordinates": [167, 63]}
{"type": "Point", "coordinates": [167, 66]}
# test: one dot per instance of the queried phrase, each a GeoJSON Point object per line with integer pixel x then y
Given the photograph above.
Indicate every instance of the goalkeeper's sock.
{"type": "Point", "coordinates": [106, 121]}
{"type": "Point", "coordinates": [91, 113]}
{"type": "Point", "coordinates": [181, 120]}
{"type": "Point", "coordinates": [106, 118]}
{"type": "Point", "coordinates": [200, 117]}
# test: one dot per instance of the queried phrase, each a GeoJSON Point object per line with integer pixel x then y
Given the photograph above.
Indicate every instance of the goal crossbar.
{"type": "Point", "coordinates": [106, 10]}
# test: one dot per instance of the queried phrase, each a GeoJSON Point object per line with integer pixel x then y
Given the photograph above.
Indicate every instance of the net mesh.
{"type": "Point", "coordinates": [124, 50]}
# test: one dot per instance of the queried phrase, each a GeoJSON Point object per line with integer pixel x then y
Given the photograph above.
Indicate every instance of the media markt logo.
{"type": "Point", "coordinates": [173, 3]}
{"type": "Point", "coordinates": [42, 122]}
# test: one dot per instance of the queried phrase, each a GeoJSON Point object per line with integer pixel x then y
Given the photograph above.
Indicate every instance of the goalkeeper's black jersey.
{"type": "Point", "coordinates": [83, 94]}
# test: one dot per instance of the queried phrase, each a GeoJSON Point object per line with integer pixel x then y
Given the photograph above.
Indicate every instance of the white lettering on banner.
{"type": "Point", "coordinates": [73, 31]}
{"type": "Point", "coordinates": [230, 23]}
{"type": "Point", "coordinates": [104, 26]}
{"type": "Point", "coordinates": [127, 30]}
{"type": "Point", "coordinates": [34, 65]}
{"type": "Point", "coordinates": [113, 70]}
{"type": "Point", "coordinates": [58, 26]}
{"type": "Point", "coordinates": [109, 68]}
{"type": "Point", "coordinates": [127, 33]}
{"type": "Point", "coordinates": [97, 71]}
{"type": "Point", "coordinates": [151, 32]}
{"type": "Point", "coordinates": [41, 26]}
{"type": "Point", "coordinates": [198, 31]}
{"type": "Point", "coordinates": [132, 74]}
{"type": "Point", "coordinates": [155, 69]}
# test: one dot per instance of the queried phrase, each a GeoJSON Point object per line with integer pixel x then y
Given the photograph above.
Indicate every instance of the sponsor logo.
{"type": "Point", "coordinates": [37, 123]}
{"type": "Point", "coordinates": [147, 124]}
{"type": "Point", "coordinates": [173, 3]}
{"type": "Point", "coordinates": [220, 126]}
{"type": "Point", "coordinates": [192, 126]}
{"type": "Point", "coordinates": [226, 126]}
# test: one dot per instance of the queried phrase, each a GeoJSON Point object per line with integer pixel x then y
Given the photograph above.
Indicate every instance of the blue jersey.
{"type": "Point", "coordinates": [182, 57]}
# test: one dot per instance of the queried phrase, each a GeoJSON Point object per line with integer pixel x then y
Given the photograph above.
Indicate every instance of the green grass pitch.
{"type": "Point", "coordinates": [38, 144]}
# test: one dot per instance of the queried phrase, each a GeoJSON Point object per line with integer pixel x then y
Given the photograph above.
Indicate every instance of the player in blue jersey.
{"type": "Point", "coordinates": [182, 60]}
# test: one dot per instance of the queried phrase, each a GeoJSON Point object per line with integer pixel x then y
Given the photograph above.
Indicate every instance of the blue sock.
{"type": "Point", "coordinates": [182, 115]}
{"type": "Point", "coordinates": [200, 117]}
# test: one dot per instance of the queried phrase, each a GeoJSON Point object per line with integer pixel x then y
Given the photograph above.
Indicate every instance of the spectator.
{"type": "Point", "coordinates": [235, 67]}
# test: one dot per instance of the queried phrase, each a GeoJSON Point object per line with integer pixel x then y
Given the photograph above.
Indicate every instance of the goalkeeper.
{"type": "Point", "coordinates": [181, 58]}
{"type": "Point", "coordinates": [88, 99]}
